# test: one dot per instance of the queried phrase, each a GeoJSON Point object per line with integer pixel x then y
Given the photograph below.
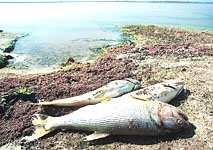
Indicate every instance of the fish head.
{"type": "Point", "coordinates": [177, 85]}
{"type": "Point", "coordinates": [172, 119]}
{"type": "Point", "coordinates": [135, 83]}
{"type": "Point", "coordinates": [171, 89]}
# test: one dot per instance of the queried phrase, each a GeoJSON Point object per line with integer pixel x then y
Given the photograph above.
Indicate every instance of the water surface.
{"type": "Point", "coordinates": [61, 30]}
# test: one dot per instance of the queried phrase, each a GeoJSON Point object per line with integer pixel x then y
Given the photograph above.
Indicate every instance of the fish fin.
{"type": "Point", "coordinates": [104, 99]}
{"type": "Point", "coordinates": [39, 121]}
{"type": "Point", "coordinates": [95, 136]}
{"type": "Point", "coordinates": [100, 96]}
{"type": "Point", "coordinates": [38, 133]}
{"type": "Point", "coordinates": [142, 97]}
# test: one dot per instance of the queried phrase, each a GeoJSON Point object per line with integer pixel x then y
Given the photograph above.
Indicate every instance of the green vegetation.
{"type": "Point", "coordinates": [24, 91]}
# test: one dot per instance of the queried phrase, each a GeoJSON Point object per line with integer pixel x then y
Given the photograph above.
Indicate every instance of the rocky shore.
{"type": "Point", "coordinates": [152, 55]}
{"type": "Point", "coordinates": [7, 44]}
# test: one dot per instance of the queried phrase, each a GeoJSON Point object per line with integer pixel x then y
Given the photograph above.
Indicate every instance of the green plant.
{"type": "Point", "coordinates": [23, 91]}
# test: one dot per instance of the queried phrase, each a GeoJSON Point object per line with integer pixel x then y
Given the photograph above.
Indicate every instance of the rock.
{"type": "Point", "coordinates": [3, 61]}
{"type": "Point", "coordinates": [70, 61]}
{"type": "Point", "coordinates": [8, 56]}
{"type": "Point", "coordinates": [7, 41]}
{"type": "Point", "coordinates": [7, 45]}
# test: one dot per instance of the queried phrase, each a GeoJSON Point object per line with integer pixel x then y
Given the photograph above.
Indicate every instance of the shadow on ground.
{"type": "Point", "coordinates": [177, 101]}
{"type": "Point", "coordinates": [141, 140]}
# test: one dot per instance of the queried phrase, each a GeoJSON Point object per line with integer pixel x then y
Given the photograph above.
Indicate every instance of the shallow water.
{"type": "Point", "coordinates": [61, 30]}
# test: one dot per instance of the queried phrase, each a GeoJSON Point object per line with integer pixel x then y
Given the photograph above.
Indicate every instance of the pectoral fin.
{"type": "Point", "coordinates": [104, 98]}
{"type": "Point", "coordinates": [95, 136]}
{"type": "Point", "coordinates": [100, 96]}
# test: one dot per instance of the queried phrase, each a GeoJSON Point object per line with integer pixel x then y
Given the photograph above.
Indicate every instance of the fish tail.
{"type": "Point", "coordinates": [40, 123]}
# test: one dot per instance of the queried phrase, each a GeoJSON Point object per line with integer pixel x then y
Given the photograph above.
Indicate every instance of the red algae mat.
{"type": "Point", "coordinates": [16, 121]}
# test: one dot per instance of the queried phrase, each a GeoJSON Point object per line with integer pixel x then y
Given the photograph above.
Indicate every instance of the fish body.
{"type": "Point", "coordinates": [164, 91]}
{"type": "Point", "coordinates": [111, 90]}
{"type": "Point", "coordinates": [126, 116]}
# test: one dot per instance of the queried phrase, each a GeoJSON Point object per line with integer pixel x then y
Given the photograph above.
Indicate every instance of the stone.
{"type": "Point", "coordinates": [7, 41]}
{"type": "Point", "coordinates": [3, 61]}
{"type": "Point", "coordinates": [7, 45]}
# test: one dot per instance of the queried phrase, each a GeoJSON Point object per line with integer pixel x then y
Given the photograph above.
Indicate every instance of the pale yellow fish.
{"type": "Point", "coordinates": [111, 90]}
{"type": "Point", "coordinates": [120, 116]}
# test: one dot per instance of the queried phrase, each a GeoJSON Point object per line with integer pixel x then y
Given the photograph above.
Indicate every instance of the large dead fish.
{"type": "Point", "coordinates": [164, 91]}
{"type": "Point", "coordinates": [111, 90]}
{"type": "Point", "coordinates": [119, 116]}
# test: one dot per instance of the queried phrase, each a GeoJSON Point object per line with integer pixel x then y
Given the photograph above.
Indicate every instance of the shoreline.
{"type": "Point", "coordinates": [154, 54]}
{"type": "Point", "coordinates": [4, 72]}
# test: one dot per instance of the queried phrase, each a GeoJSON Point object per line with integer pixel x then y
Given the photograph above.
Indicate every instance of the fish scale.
{"type": "Point", "coordinates": [111, 117]}
{"type": "Point", "coordinates": [124, 115]}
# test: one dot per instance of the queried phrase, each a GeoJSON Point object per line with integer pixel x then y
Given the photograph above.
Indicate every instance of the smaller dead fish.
{"type": "Point", "coordinates": [111, 90]}
{"type": "Point", "coordinates": [164, 91]}
{"type": "Point", "coordinates": [119, 116]}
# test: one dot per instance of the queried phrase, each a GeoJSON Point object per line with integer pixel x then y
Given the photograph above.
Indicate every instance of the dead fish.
{"type": "Point", "coordinates": [126, 116]}
{"type": "Point", "coordinates": [164, 91]}
{"type": "Point", "coordinates": [113, 89]}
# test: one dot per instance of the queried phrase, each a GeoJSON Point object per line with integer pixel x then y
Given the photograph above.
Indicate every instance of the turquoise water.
{"type": "Point", "coordinates": [61, 30]}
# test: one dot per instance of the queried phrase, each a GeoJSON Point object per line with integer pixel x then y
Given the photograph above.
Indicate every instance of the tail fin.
{"type": "Point", "coordinates": [39, 121]}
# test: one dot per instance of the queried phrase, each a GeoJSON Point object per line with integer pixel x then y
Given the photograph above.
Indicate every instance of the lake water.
{"type": "Point", "coordinates": [61, 30]}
